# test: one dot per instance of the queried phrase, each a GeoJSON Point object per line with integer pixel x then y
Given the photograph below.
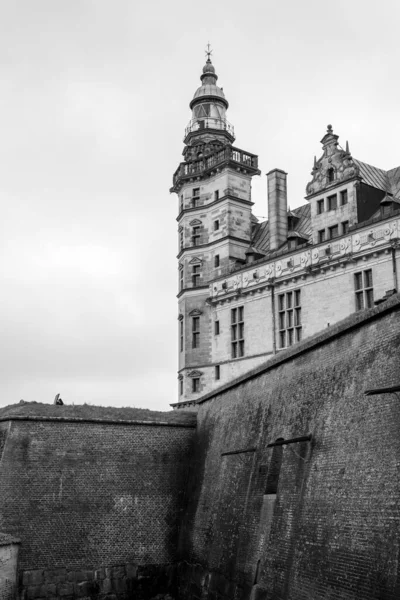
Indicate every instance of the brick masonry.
{"type": "Point", "coordinates": [332, 530]}
{"type": "Point", "coordinates": [97, 506]}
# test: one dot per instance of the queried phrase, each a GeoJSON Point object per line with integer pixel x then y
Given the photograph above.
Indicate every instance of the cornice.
{"type": "Point", "coordinates": [213, 203]}
{"type": "Point", "coordinates": [213, 243]}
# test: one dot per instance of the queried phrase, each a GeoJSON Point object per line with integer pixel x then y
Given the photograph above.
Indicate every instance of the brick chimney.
{"type": "Point", "coordinates": [277, 208]}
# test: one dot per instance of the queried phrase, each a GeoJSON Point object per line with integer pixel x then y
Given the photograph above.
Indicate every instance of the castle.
{"type": "Point", "coordinates": [247, 289]}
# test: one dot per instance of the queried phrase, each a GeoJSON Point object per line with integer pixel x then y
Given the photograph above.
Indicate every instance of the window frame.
{"type": "Point", "coordinates": [320, 206]}
{"type": "Point", "coordinates": [289, 318]}
{"type": "Point", "coordinates": [321, 236]}
{"type": "Point", "coordinates": [364, 293]}
{"type": "Point", "coordinates": [331, 231]}
{"type": "Point", "coordinates": [196, 275]}
{"type": "Point", "coordinates": [217, 327]}
{"type": "Point", "coordinates": [332, 202]}
{"type": "Point", "coordinates": [237, 332]}
{"type": "Point", "coordinates": [195, 332]}
{"type": "Point", "coordinates": [344, 197]}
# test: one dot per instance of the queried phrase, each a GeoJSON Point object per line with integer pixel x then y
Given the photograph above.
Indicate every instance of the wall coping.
{"type": "Point", "coordinates": [353, 321]}
{"type": "Point", "coordinates": [151, 423]}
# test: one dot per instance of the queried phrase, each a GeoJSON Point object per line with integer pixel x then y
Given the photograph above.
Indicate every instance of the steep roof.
{"type": "Point", "coordinates": [260, 239]}
{"type": "Point", "coordinates": [377, 178]}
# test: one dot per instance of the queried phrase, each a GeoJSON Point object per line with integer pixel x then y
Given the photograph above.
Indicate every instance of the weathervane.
{"type": "Point", "coordinates": [208, 52]}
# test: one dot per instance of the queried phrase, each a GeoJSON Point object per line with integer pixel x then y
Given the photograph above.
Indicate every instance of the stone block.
{"type": "Point", "coordinates": [106, 586]}
{"type": "Point", "coordinates": [131, 571]}
{"type": "Point", "coordinates": [32, 578]}
{"type": "Point", "coordinates": [118, 572]}
{"type": "Point", "coordinates": [100, 574]}
{"type": "Point", "coordinates": [51, 589]}
{"type": "Point", "coordinates": [55, 575]}
{"type": "Point", "coordinates": [65, 589]}
{"type": "Point", "coordinates": [119, 585]}
{"type": "Point", "coordinates": [35, 591]}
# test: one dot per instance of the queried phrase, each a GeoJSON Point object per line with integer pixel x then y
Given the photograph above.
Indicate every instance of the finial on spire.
{"type": "Point", "coordinates": [347, 147]}
{"type": "Point", "coordinates": [208, 52]}
{"type": "Point", "coordinates": [329, 129]}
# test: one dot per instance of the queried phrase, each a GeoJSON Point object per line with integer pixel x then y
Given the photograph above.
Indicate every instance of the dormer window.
{"type": "Point", "coordinates": [292, 244]}
{"type": "Point", "coordinates": [331, 175]}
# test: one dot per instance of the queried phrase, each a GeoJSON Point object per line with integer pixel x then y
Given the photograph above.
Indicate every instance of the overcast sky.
{"type": "Point", "coordinates": [94, 99]}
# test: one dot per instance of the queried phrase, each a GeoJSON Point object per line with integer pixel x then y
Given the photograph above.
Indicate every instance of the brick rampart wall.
{"type": "Point", "coordinates": [332, 531]}
{"type": "Point", "coordinates": [96, 505]}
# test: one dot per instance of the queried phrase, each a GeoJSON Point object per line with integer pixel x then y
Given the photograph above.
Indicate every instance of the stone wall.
{"type": "Point", "coordinates": [97, 505]}
{"type": "Point", "coordinates": [8, 566]}
{"type": "Point", "coordinates": [332, 529]}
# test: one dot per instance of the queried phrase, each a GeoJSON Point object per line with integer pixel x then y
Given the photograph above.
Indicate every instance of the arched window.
{"type": "Point", "coordinates": [274, 469]}
{"type": "Point", "coordinates": [331, 175]}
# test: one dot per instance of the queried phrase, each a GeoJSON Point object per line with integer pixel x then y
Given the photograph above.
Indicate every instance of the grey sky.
{"type": "Point", "coordinates": [93, 104]}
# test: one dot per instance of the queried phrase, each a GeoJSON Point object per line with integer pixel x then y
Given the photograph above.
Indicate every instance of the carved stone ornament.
{"type": "Point", "coordinates": [356, 242]}
{"type": "Point", "coordinates": [345, 246]}
{"type": "Point", "coordinates": [315, 255]}
{"type": "Point", "coordinates": [237, 281]}
{"type": "Point", "coordinates": [195, 261]}
{"type": "Point", "coordinates": [245, 280]}
{"type": "Point", "coordinates": [269, 271]}
{"type": "Point", "coordinates": [195, 222]}
{"type": "Point", "coordinates": [278, 268]}
{"type": "Point", "coordinates": [180, 317]}
{"type": "Point", "coordinates": [305, 259]}
{"type": "Point", "coordinates": [195, 313]}
{"type": "Point", "coordinates": [195, 374]}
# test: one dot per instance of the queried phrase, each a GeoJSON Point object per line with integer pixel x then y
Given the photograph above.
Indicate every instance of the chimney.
{"type": "Point", "coordinates": [277, 208]}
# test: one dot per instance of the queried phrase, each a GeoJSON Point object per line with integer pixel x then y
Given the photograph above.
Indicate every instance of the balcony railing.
{"type": "Point", "coordinates": [209, 123]}
{"type": "Point", "coordinates": [230, 153]}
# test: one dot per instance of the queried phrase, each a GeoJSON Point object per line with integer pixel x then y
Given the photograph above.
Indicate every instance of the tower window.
{"type": "Point", "coordinates": [195, 275]}
{"type": "Point", "coordinates": [216, 327]}
{"type": "Point", "coordinates": [321, 235]}
{"type": "Point", "coordinates": [195, 332]}
{"type": "Point", "coordinates": [345, 227]}
{"type": "Point", "coordinates": [216, 225]}
{"type": "Point", "coordinates": [195, 197]}
{"type": "Point", "coordinates": [333, 232]}
{"type": "Point", "coordinates": [180, 387]}
{"type": "Point", "coordinates": [181, 278]}
{"type": "Point", "coordinates": [289, 318]}
{"type": "Point", "coordinates": [196, 235]}
{"type": "Point", "coordinates": [332, 202]}
{"type": "Point", "coordinates": [274, 470]}
{"type": "Point", "coordinates": [216, 195]}
{"type": "Point", "coordinates": [216, 261]}
{"type": "Point", "coordinates": [320, 206]}
{"type": "Point", "coordinates": [181, 204]}
{"type": "Point", "coordinates": [343, 198]}
{"type": "Point", "coordinates": [181, 330]}
{"type": "Point", "coordinates": [181, 239]}
{"type": "Point", "coordinates": [195, 384]}
{"type": "Point", "coordinates": [217, 372]}
{"type": "Point", "coordinates": [364, 289]}
{"type": "Point", "coordinates": [237, 331]}
{"type": "Point", "coordinates": [331, 175]}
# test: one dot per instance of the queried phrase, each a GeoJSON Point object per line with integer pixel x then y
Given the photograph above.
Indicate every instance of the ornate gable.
{"type": "Point", "coordinates": [334, 166]}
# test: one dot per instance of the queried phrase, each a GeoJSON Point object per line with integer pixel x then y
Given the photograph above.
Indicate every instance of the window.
{"type": "Point", "coordinates": [195, 197]}
{"type": "Point", "coordinates": [216, 225]}
{"type": "Point", "coordinates": [333, 232]}
{"type": "Point", "coordinates": [216, 261]}
{"type": "Point", "coordinates": [292, 244]}
{"type": "Point", "coordinates": [345, 227]}
{"type": "Point", "coordinates": [181, 279]}
{"type": "Point", "coordinates": [217, 372]}
{"type": "Point", "coordinates": [343, 198]}
{"type": "Point", "coordinates": [364, 289]}
{"type": "Point", "coordinates": [331, 175]}
{"type": "Point", "coordinates": [274, 469]}
{"type": "Point", "coordinates": [196, 235]}
{"type": "Point", "coordinates": [321, 235]}
{"type": "Point", "coordinates": [216, 327]}
{"type": "Point", "coordinates": [289, 318]}
{"type": "Point", "coordinates": [181, 204]}
{"type": "Point", "coordinates": [181, 239]}
{"type": "Point", "coordinates": [195, 275]}
{"type": "Point", "coordinates": [181, 335]}
{"type": "Point", "coordinates": [216, 195]}
{"type": "Point", "coordinates": [320, 206]}
{"type": "Point", "coordinates": [332, 202]}
{"type": "Point", "coordinates": [180, 387]}
{"type": "Point", "coordinates": [237, 331]}
{"type": "Point", "coordinates": [195, 384]}
{"type": "Point", "coordinates": [195, 332]}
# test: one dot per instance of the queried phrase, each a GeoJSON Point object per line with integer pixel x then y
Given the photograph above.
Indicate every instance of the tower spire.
{"type": "Point", "coordinates": [208, 53]}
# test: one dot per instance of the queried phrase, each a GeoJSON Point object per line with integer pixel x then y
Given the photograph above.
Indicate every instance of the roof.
{"type": "Point", "coordinates": [260, 240]}
{"type": "Point", "coordinates": [6, 539]}
{"type": "Point", "coordinates": [88, 412]}
{"type": "Point", "coordinates": [377, 178]}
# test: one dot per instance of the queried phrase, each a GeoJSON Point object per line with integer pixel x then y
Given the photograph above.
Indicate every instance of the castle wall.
{"type": "Point", "coordinates": [332, 528]}
{"type": "Point", "coordinates": [8, 567]}
{"type": "Point", "coordinates": [96, 505]}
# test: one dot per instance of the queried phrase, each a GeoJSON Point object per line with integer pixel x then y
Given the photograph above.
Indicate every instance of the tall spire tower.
{"type": "Point", "coordinates": [213, 185]}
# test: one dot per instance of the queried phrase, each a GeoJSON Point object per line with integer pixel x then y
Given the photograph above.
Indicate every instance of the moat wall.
{"type": "Point", "coordinates": [96, 504]}
{"type": "Point", "coordinates": [332, 530]}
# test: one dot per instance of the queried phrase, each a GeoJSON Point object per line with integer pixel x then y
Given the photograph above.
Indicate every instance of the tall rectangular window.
{"type": "Point", "coordinates": [237, 331]}
{"type": "Point", "coordinates": [333, 232]}
{"type": "Point", "coordinates": [343, 198]}
{"type": "Point", "coordinates": [181, 239]}
{"type": "Point", "coordinates": [195, 197]}
{"type": "Point", "coordinates": [195, 332]}
{"type": "Point", "coordinates": [216, 327]}
{"type": "Point", "coordinates": [216, 195]}
{"type": "Point", "coordinates": [332, 202]}
{"type": "Point", "coordinates": [364, 289]}
{"type": "Point", "coordinates": [321, 235]}
{"type": "Point", "coordinates": [180, 387]}
{"type": "Point", "coordinates": [216, 261]}
{"type": "Point", "coordinates": [196, 235]}
{"type": "Point", "coordinates": [195, 384]}
{"type": "Point", "coordinates": [181, 203]}
{"type": "Point", "coordinates": [217, 372]}
{"type": "Point", "coordinates": [216, 225]}
{"type": "Point", "coordinates": [289, 318]}
{"type": "Point", "coordinates": [320, 206]}
{"type": "Point", "coordinates": [345, 227]}
{"type": "Point", "coordinates": [181, 279]}
{"type": "Point", "coordinates": [181, 331]}
{"type": "Point", "coordinates": [195, 275]}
